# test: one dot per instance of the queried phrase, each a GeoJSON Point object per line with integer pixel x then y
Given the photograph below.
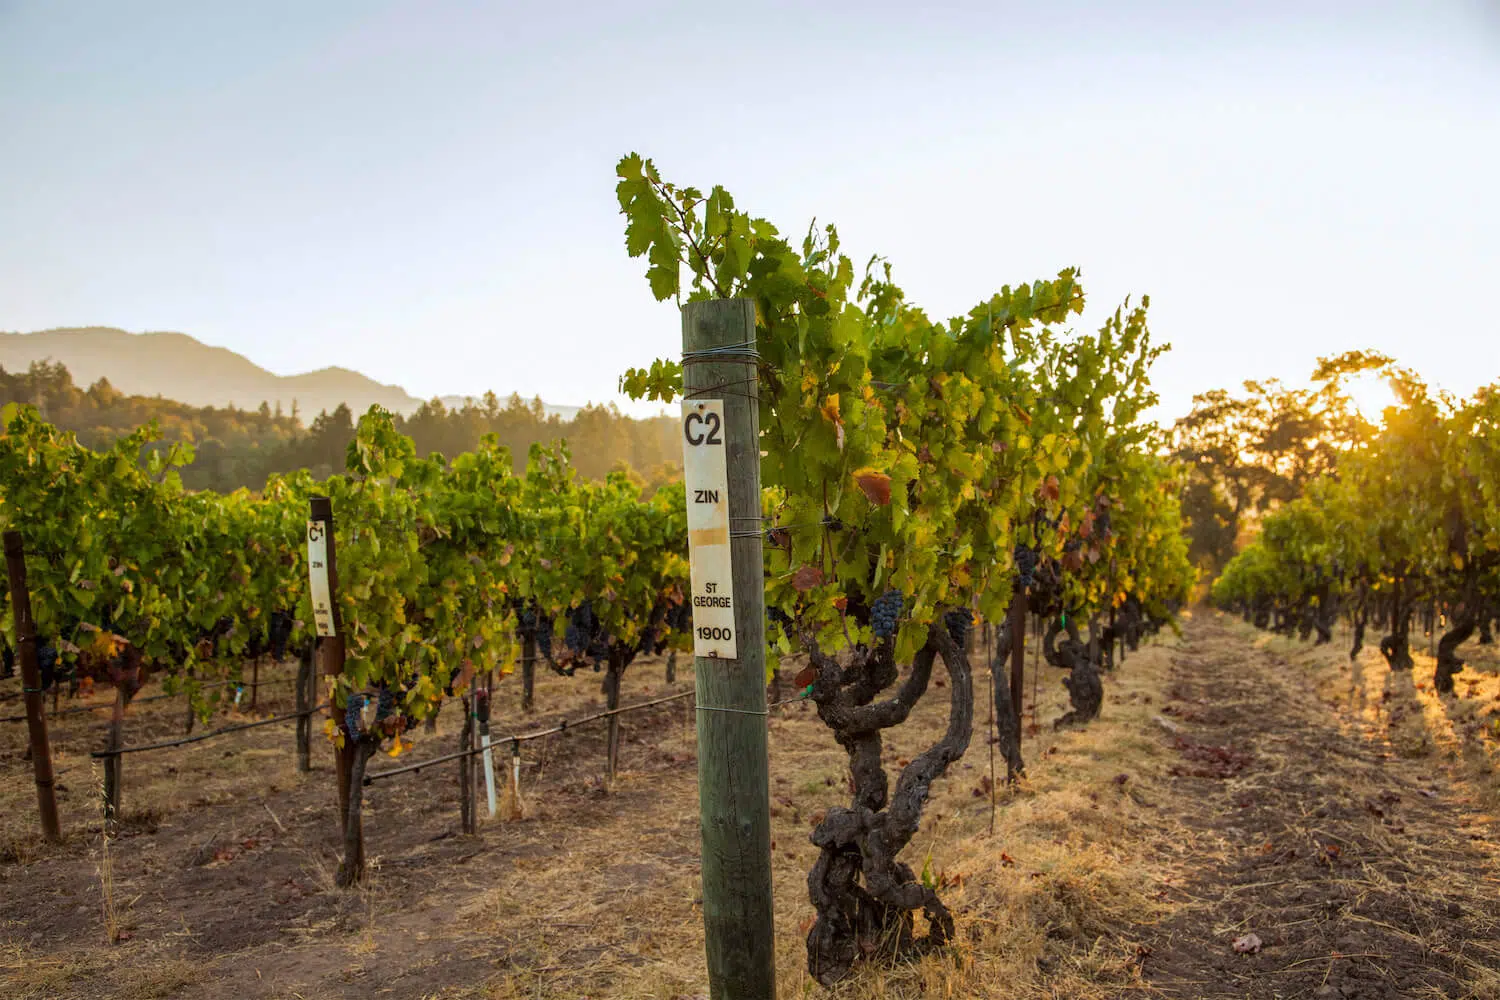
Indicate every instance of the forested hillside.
{"type": "Point", "coordinates": [235, 447]}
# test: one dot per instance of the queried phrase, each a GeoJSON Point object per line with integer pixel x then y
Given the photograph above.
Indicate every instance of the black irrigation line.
{"type": "Point", "coordinates": [168, 744]}
{"type": "Point", "coordinates": [562, 727]}
{"type": "Point", "coordinates": [76, 709]}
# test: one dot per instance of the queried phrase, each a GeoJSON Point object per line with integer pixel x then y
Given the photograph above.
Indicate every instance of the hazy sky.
{"type": "Point", "coordinates": [424, 191]}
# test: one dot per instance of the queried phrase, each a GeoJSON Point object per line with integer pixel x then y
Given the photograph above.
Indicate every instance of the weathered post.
{"type": "Point", "coordinates": [721, 465]}
{"type": "Point", "coordinates": [323, 578]}
{"type": "Point", "coordinates": [31, 685]}
{"type": "Point", "coordinates": [304, 706]}
{"type": "Point", "coordinates": [528, 668]}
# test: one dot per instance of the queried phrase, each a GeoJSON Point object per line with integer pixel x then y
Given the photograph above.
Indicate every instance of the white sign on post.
{"type": "Point", "coordinates": [705, 471]}
{"type": "Point", "coordinates": [317, 571]}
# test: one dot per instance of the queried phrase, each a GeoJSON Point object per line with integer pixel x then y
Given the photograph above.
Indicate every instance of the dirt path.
{"type": "Point", "coordinates": [1337, 815]}
{"type": "Point", "coordinates": [1360, 872]}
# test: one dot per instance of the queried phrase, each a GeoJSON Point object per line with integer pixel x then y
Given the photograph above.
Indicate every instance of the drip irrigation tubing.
{"type": "Point", "coordinates": [561, 727]}
{"type": "Point", "coordinates": [211, 734]}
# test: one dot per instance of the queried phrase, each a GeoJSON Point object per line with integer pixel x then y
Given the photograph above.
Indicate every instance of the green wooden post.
{"type": "Point", "coordinates": [733, 763]}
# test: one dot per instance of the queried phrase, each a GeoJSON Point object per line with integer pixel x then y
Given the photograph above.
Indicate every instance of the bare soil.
{"type": "Point", "coordinates": [1233, 785]}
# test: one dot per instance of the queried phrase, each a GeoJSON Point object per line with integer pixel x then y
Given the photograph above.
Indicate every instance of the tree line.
{"type": "Point", "coordinates": [236, 447]}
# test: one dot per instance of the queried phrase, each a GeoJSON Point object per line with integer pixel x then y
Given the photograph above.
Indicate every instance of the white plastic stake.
{"type": "Point", "coordinates": [489, 771]}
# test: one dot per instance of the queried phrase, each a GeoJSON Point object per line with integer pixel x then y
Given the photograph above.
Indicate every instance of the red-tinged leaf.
{"type": "Point", "coordinates": [807, 578]}
{"type": "Point", "coordinates": [875, 485]}
{"type": "Point", "coordinates": [781, 538]}
{"type": "Point", "coordinates": [804, 677]}
{"type": "Point", "coordinates": [1006, 861]}
{"type": "Point", "coordinates": [842, 603]}
{"type": "Point", "coordinates": [1247, 945]}
{"type": "Point", "coordinates": [1050, 488]}
{"type": "Point", "coordinates": [1086, 526]}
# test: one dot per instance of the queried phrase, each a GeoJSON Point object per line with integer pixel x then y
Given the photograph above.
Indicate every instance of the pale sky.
{"type": "Point", "coordinates": [424, 191]}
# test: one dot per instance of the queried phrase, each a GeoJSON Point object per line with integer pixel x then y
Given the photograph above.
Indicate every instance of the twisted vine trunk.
{"type": "Point", "coordinates": [1007, 702]}
{"type": "Point", "coordinates": [1358, 618]}
{"type": "Point", "coordinates": [1395, 647]}
{"type": "Point", "coordinates": [1324, 616]}
{"type": "Point", "coordinates": [1448, 662]}
{"type": "Point", "coordinates": [352, 867]}
{"type": "Point", "coordinates": [865, 898]}
{"type": "Point", "coordinates": [1085, 689]}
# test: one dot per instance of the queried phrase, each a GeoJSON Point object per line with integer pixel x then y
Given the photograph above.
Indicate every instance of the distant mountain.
{"type": "Point", "coordinates": [179, 367]}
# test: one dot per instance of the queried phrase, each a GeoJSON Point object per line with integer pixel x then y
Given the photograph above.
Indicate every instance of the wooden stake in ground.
{"type": "Point", "coordinates": [721, 432]}
{"type": "Point", "coordinates": [304, 704]}
{"type": "Point", "coordinates": [528, 668]}
{"type": "Point", "coordinates": [324, 581]}
{"type": "Point", "coordinates": [31, 684]}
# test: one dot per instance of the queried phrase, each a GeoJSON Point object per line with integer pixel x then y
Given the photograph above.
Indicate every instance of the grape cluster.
{"type": "Point", "coordinates": [1025, 566]}
{"type": "Point", "coordinates": [580, 628]}
{"type": "Point", "coordinates": [280, 630]}
{"type": "Point", "coordinates": [959, 621]}
{"type": "Point", "coordinates": [46, 661]}
{"type": "Point", "coordinates": [584, 635]}
{"type": "Point", "coordinates": [354, 707]}
{"type": "Point", "coordinates": [884, 612]}
{"type": "Point", "coordinates": [680, 617]}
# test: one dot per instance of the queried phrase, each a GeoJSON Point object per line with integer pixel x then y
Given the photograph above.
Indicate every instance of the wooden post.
{"type": "Point", "coordinates": [528, 670]}
{"type": "Point", "coordinates": [254, 681]}
{"type": "Point", "coordinates": [113, 765]}
{"type": "Point", "coordinates": [733, 763]}
{"type": "Point", "coordinates": [1017, 655]}
{"type": "Point", "coordinates": [612, 739]}
{"type": "Point", "coordinates": [304, 703]}
{"type": "Point", "coordinates": [330, 651]}
{"type": "Point", "coordinates": [31, 685]}
{"type": "Point", "coordinates": [466, 821]}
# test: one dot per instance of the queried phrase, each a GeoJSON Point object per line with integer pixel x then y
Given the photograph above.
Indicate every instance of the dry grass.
{"type": "Point", "coordinates": [1042, 904]}
{"type": "Point", "coordinates": [596, 895]}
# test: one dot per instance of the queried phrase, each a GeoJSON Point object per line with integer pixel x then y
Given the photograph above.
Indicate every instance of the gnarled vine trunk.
{"type": "Point", "coordinates": [1464, 621]}
{"type": "Point", "coordinates": [1395, 646]}
{"type": "Point", "coordinates": [1007, 717]}
{"type": "Point", "coordinates": [1085, 689]}
{"type": "Point", "coordinates": [1358, 619]}
{"type": "Point", "coordinates": [352, 867]}
{"type": "Point", "coordinates": [866, 899]}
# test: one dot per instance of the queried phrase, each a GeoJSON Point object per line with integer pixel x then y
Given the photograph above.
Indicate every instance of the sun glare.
{"type": "Point", "coordinates": [1370, 394]}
